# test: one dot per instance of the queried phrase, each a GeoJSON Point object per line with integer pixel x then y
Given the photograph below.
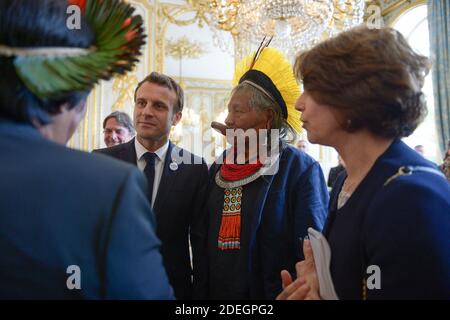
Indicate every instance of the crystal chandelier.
{"type": "Point", "coordinates": [225, 12]}
{"type": "Point", "coordinates": [294, 24]}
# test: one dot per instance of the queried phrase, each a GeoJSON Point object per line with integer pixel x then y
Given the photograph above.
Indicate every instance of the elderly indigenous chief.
{"type": "Point", "coordinates": [259, 208]}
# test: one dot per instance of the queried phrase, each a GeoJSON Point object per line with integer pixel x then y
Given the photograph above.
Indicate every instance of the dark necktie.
{"type": "Point", "coordinates": [149, 172]}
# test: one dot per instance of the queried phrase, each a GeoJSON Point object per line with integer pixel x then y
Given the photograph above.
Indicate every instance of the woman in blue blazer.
{"type": "Point", "coordinates": [389, 221]}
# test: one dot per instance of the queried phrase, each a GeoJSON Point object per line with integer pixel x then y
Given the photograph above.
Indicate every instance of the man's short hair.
{"type": "Point", "coordinates": [122, 118]}
{"type": "Point", "coordinates": [168, 82]}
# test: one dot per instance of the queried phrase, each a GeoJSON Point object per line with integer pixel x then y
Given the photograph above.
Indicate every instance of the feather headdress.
{"type": "Point", "coordinates": [270, 72]}
{"type": "Point", "coordinates": [51, 71]}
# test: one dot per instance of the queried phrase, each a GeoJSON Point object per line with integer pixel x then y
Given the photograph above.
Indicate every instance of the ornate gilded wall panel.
{"type": "Point", "coordinates": [392, 10]}
{"type": "Point", "coordinates": [206, 99]}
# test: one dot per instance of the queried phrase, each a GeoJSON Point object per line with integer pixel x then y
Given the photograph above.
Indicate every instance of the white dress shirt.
{"type": "Point", "coordinates": [159, 163]}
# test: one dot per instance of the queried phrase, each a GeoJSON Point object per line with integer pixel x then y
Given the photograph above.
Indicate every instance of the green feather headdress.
{"type": "Point", "coordinates": [49, 72]}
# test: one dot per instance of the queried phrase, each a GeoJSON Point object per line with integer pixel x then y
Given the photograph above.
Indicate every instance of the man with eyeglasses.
{"type": "Point", "coordinates": [117, 128]}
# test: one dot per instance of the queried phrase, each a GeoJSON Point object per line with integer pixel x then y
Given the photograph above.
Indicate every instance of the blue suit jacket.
{"type": "Point", "coordinates": [60, 207]}
{"type": "Point", "coordinates": [403, 228]}
{"type": "Point", "coordinates": [178, 210]}
{"type": "Point", "coordinates": [289, 202]}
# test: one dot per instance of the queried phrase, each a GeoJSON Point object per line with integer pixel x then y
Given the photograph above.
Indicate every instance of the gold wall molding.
{"type": "Point", "coordinates": [396, 9]}
{"type": "Point", "coordinates": [169, 14]}
{"type": "Point", "coordinates": [160, 32]}
{"type": "Point", "coordinates": [124, 86]}
{"type": "Point", "coordinates": [400, 4]}
{"type": "Point", "coordinates": [172, 12]}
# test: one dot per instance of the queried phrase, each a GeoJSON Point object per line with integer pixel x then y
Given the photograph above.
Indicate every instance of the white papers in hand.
{"type": "Point", "coordinates": [322, 258]}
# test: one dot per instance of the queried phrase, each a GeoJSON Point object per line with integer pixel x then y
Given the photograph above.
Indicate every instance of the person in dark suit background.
{"type": "Point", "coordinates": [72, 224]}
{"type": "Point", "coordinates": [335, 171]}
{"type": "Point", "coordinates": [178, 179]}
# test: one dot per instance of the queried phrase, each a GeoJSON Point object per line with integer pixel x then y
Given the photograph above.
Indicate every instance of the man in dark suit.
{"type": "Point", "coordinates": [72, 224]}
{"type": "Point", "coordinates": [177, 178]}
{"type": "Point", "coordinates": [335, 171]}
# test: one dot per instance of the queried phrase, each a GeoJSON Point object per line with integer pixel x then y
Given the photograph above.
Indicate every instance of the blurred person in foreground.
{"type": "Point", "coordinates": [73, 225]}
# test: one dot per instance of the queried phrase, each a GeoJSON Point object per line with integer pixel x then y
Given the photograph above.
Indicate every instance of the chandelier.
{"type": "Point", "coordinates": [294, 24]}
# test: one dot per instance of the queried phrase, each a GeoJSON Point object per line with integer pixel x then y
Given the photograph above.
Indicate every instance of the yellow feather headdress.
{"type": "Point", "coordinates": [277, 80]}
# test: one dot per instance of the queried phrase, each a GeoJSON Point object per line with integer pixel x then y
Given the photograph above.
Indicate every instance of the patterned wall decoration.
{"type": "Point", "coordinates": [205, 101]}
{"type": "Point", "coordinates": [392, 10]}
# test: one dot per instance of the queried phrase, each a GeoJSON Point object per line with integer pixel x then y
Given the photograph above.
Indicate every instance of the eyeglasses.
{"type": "Point", "coordinates": [116, 131]}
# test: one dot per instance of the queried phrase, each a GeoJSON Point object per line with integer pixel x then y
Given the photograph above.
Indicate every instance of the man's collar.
{"type": "Point", "coordinates": [141, 150]}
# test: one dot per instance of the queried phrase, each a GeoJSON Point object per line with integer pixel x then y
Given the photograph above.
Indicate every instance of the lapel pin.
{"type": "Point", "coordinates": [173, 166]}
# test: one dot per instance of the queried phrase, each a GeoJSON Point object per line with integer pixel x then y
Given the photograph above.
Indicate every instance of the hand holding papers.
{"type": "Point", "coordinates": [322, 258]}
{"type": "Point", "coordinates": [306, 286]}
{"type": "Point", "coordinates": [313, 274]}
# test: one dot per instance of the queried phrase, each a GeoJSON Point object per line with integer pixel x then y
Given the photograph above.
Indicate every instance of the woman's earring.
{"type": "Point", "coordinates": [349, 123]}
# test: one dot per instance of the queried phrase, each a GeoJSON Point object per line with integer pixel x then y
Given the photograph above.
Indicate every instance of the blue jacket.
{"type": "Point", "coordinates": [60, 208]}
{"type": "Point", "coordinates": [289, 202]}
{"type": "Point", "coordinates": [402, 228]}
